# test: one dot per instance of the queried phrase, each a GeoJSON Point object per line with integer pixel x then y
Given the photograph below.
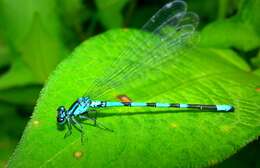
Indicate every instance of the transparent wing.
{"type": "Point", "coordinates": [171, 30]}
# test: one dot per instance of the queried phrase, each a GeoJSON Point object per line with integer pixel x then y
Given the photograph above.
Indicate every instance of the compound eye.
{"type": "Point", "coordinates": [60, 120]}
{"type": "Point", "coordinates": [61, 109]}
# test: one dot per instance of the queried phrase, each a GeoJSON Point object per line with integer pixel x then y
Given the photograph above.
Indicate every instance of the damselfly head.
{"type": "Point", "coordinates": [61, 115]}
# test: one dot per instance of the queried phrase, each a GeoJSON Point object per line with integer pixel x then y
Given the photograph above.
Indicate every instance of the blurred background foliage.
{"type": "Point", "coordinates": [36, 35]}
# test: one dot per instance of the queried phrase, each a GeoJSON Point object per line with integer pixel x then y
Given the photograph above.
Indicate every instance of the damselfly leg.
{"type": "Point", "coordinates": [94, 119]}
{"type": "Point", "coordinates": [68, 133]}
{"type": "Point", "coordinates": [79, 127]}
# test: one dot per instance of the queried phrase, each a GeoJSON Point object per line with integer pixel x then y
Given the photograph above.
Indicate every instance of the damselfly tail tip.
{"type": "Point", "coordinates": [224, 107]}
{"type": "Point", "coordinates": [232, 109]}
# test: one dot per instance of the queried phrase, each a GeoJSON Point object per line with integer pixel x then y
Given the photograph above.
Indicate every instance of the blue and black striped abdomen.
{"type": "Point", "coordinates": [165, 105]}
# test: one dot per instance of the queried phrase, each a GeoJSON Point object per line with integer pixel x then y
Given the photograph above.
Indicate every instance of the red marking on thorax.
{"type": "Point", "coordinates": [124, 98]}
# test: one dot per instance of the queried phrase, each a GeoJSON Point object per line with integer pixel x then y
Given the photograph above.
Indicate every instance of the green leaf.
{"type": "Point", "coordinates": [33, 31]}
{"type": "Point", "coordinates": [18, 75]}
{"type": "Point", "coordinates": [144, 137]}
{"type": "Point", "coordinates": [10, 131]}
{"type": "Point", "coordinates": [249, 13]}
{"type": "Point", "coordinates": [232, 57]}
{"type": "Point", "coordinates": [230, 33]}
{"type": "Point", "coordinates": [40, 50]}
{"type": "Point", "coordinates": [74, 14]}
{"type": "Point", "coordinates": [4, 53]}
{"type": "Point", "coordinates": [256, 60]}
{"type": "Point", "coordinates": [7, 147]}
{"type": "Point", "coordinates": [17, 18]}
{"type": "Point", "coordinates": [257, 72]}
{"type": "Point", "coordinates": [4, 59]}
{"type": "Point", "coordinates": [143, 13]}
{"type": "Point", "coordinates": [21, 95]}
{"type": "Point", "coordinates": [109, 12]}
{"type": "Point", "coordinates": [246, 157]}
{"type": "Point", "coordinates": [240, 31]}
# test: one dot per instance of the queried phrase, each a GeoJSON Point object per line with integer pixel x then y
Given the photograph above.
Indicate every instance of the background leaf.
{"type": "Point", "coordinates": [256, 61]}
{"type": "Point", "coordinates": [232, 57]}
{"type": "Point", "coordinates": [21, 95]}
{"type": "Point", "coordinates": [257, 72]}
{"type": "Point", "coordinates": [243, 37]}
{"type": "Point", "coordinates": [17, 75]}
{"type": "Point", "coordinates": [246, 157]}
{"type": "Point", "coordinates": [4, 53]}
{"type": "Point", "coordinates": [109, 12]}
{"type": "Point", "coordinates": [239, 31]}
{"type": "Point", "coordinates": [74, 13]}
{"type": "Point", "coordinates": [249, 13]}
{"type": "Point", "coordinates": [33, 32]}
{"type": "Point", "coordinates": [168, 138]}
{"type": "Point", "coordinates": [40, 50]}
{"type": "Point", "coordinates": [10, 131]}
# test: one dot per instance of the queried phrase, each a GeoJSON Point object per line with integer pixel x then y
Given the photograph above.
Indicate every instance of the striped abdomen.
{"type": "Point", "coordinates": [163, 105]}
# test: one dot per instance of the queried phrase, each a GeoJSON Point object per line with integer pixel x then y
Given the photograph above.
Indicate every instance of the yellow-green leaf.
{"type": "Point", "coordinates": [144, 137]}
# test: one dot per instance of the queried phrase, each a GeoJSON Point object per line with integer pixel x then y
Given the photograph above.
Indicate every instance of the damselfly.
{"type": "Point", "coordinates": [175, 27]}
